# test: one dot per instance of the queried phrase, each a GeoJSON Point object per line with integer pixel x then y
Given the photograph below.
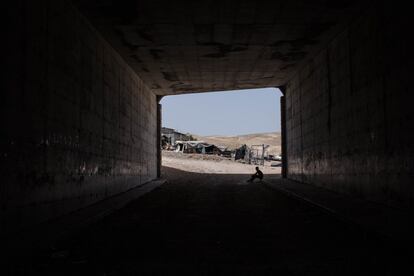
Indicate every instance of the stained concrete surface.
{"type": "Point", "coordinates": [78, 124]}
{"type": "Point", "coordinates": [80, 104]}
{"type": "Point", "coordinates": [198, 46]}
{"type": "Point", "coordinates": [349, 114]}
{"type": "Point", "coordinates": [211, 224]}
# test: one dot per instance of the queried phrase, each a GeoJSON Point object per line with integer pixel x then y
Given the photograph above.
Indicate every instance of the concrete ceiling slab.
{"type": "Point", "coordinates": [196, 46]}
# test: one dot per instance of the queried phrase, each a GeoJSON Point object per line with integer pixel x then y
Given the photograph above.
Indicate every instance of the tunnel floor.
{"type": "Point", "coordinates": [218, 224]}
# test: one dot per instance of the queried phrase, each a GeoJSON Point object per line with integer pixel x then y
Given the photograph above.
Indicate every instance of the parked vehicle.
{"type": "Point", "coordinates": [271, 157]}
{"type": "Point", "coordinates": [277, 158]}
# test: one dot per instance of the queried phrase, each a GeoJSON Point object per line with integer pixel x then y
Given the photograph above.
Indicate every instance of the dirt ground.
{"type": "Point", "coordinates": [214, 164]}
{"type": "Point", "coordinates": [207, 222]}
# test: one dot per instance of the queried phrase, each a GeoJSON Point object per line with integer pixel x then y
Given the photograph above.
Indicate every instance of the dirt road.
{"type": "Point", "coordinates": [217, 224]}
{"type": "Point", "coordinates": [199, 163]}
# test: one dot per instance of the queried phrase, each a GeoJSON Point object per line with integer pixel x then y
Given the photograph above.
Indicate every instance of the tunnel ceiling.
{"type": "Point", "coordinates": [194, 46]}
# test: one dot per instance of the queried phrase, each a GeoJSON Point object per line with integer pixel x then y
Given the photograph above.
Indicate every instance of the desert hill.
{"type": "Point", "coordinates": [273, 139]}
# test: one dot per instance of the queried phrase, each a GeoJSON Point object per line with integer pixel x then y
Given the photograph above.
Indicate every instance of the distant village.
{"type": "Point", "coordinates": [172, 140]}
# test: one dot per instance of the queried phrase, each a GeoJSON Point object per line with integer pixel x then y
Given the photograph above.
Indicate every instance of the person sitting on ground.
{"type": "Point", "coordinates": [258, 174]}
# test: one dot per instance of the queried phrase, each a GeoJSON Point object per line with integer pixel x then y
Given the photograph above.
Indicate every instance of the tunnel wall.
{"type": "Point", "coordinates": [349, 117]}
{"type": "Point", "coordinates": [78, 125]}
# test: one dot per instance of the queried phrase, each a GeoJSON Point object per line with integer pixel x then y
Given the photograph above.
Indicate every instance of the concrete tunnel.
{"type": "Point", "coordinates": [81, 118]}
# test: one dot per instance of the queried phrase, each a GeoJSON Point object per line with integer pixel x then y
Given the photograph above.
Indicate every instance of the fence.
{"type": "Point", "coordinates": [256, 154]}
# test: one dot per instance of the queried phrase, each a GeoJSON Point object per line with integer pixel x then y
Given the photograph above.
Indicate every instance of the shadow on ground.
{"type": "Point", "coordinates": [202, 224]}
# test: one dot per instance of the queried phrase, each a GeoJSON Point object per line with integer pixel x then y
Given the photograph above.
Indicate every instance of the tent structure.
{"type": "Point", "coordinates": [196, 147]}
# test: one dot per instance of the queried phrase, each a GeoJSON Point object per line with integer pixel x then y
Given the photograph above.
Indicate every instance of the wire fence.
{"type": "Point", "coordinates": [256, 154]}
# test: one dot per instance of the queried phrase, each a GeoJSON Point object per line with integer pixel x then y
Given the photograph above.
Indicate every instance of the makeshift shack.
{"type": "Point", "coordinates": [196, 147]}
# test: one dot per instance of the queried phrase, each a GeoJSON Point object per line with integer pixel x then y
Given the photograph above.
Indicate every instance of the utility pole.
{"type": "Point", "coordinates": [263, 149]}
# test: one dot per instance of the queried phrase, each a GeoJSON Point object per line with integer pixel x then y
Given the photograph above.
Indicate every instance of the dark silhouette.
{"type": "Point", "coordinates": [258, 174]}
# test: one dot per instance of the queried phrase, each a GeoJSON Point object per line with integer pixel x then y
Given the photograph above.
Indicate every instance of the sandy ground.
{"type": "Point", "coordinates": [213, 164]}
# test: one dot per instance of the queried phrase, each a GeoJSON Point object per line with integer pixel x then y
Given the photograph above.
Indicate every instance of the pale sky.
{"type": "Point", "coordinates": [223, 113]}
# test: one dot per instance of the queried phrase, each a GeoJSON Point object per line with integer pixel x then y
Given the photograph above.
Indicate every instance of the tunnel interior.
{"type": "Point", "coordinates": [81, 106]}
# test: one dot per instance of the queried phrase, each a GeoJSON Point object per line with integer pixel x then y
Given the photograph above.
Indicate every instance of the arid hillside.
{"type": "Point", "coordinates": [273, 139]}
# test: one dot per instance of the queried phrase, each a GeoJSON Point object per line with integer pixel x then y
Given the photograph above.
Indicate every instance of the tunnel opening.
{"type": "Point", "coordinates": [80, 137]}
{"type": "Point", "coordinates": [222, 132]}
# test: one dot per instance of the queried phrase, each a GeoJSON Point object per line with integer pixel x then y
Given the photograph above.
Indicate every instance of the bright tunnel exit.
{"type": "Point", "coordinates": [222, 132]}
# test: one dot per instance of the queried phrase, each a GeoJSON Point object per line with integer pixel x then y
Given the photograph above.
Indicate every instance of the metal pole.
{"type": "Point", "coordinates": [262, 154]}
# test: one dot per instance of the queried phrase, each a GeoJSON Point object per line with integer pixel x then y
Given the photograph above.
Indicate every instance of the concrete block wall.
{"type": "Point", "coordinates": [78, 124]}
{"type": "Point", "coordinates": [349, 111]}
